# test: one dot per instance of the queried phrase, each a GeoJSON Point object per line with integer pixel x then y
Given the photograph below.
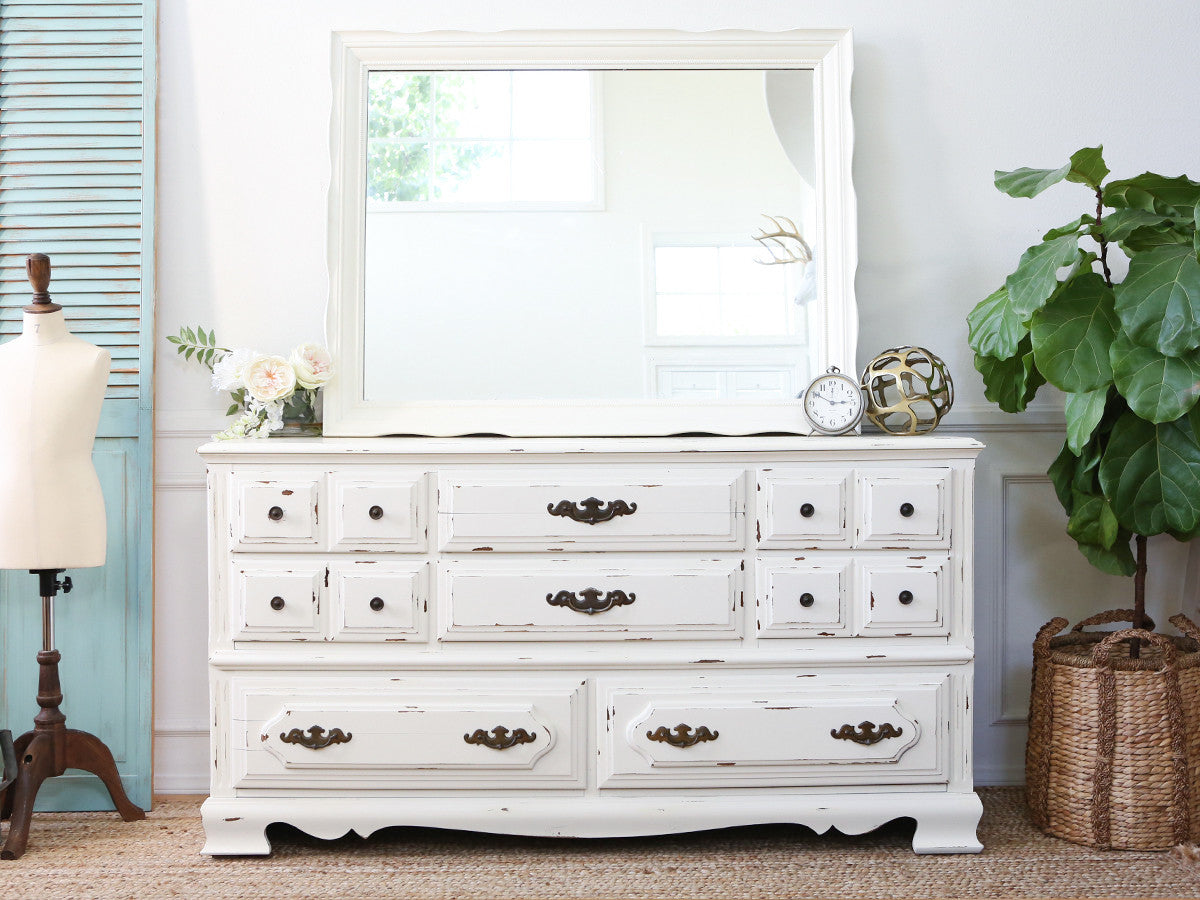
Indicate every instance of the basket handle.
{"type": "Point", "coordinates": [1041, 644]}
{"type": "Point", "coordinates": [1186, 625]}
{"type": "Point", "coordinates": [1102, 652]}
{"type": "Point", "coordinates": [1113, 615]}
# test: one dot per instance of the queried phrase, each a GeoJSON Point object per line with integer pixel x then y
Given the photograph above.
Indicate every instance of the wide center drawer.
{"type": "Point", "coordinates": [614, 508]}
{"type": "Point", "coordinates": [675, 597]}
{"type": "Point", "coordinates": [389, 732]}
{"type": "Point", "coordinates": [672, 732]}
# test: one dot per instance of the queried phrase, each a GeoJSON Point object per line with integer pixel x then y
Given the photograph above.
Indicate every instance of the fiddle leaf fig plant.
{"type": "Point", "coordinates": [1126, 354]}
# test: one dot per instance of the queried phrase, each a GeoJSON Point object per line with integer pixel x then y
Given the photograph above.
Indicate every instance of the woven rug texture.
{"type": "Point", "coordinates": [95, 856]}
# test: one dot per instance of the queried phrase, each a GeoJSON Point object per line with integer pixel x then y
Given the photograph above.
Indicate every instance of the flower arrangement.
{"type": "Point", "coordinates": [265, 390]}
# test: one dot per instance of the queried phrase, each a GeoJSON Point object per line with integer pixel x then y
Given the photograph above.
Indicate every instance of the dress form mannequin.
{"type": "Point", "coordinates": [51, 519]}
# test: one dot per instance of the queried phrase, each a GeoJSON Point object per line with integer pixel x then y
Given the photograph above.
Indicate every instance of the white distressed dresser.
{"type": "Point", "coordinates": [590, 637]}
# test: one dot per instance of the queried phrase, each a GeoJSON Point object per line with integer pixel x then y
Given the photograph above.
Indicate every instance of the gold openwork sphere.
{"type": "Point", "coordinates": [908, 390]}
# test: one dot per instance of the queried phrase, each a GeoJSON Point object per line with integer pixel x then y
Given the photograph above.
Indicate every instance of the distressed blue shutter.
{"type": "Point", "coordinates": [77, 183]}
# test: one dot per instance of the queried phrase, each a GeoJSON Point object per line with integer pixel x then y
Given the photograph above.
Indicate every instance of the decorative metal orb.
{"type": "Point", "coordinates": [908, 390]}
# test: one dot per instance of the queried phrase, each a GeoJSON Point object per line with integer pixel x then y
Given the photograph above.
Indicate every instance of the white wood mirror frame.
{"type": "Point", "coordinates": [355, 54]}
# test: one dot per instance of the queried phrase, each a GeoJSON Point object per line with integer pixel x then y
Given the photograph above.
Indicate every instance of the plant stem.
{"type": "Point", "coordinates": [1103, 240]}
{"type": "Point", "coordinates": [1139, 595]}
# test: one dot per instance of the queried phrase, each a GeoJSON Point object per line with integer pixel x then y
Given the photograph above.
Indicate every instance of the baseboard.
{"type": "Point", "coordinates": [990, 776]}
{"type": "Point", "coordinates": [181, 760]}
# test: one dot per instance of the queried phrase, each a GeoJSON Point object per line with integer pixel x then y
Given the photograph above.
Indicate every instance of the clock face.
{"type": "Point", "coordinates": [833, 404]}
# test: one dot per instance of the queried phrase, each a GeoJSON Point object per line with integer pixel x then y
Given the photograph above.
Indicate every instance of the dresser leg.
{"type": "Point", "coordinates": [228, 831]}
{"type": "Point", "coordinates": [947, 824]}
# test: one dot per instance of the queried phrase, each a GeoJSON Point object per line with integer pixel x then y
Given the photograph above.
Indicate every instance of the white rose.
{"type": "Point", "coordinates": [269, 378]}
{"type": "Point", "coordinates": [313, 365]}
{"type": "Point", "coordinates": [227, 371]}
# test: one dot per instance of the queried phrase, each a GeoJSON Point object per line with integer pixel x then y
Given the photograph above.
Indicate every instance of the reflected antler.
{"type": "Point", "coordinates": [782, 253]}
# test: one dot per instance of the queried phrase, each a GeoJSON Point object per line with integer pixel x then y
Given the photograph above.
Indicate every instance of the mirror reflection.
{"type": "Point", "coordinates": [606, 235]}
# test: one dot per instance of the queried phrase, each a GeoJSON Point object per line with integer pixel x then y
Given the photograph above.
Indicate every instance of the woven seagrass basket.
{"type": "Point", "coordinates": [1113, 759]}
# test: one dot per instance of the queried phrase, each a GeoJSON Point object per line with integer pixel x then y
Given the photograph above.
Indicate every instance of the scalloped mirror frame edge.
{"type": "Point", "coordinates": [829, 52]}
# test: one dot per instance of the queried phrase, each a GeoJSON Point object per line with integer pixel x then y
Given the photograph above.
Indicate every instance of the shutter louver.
{"type": "Point", "coordinates": [72, 170]}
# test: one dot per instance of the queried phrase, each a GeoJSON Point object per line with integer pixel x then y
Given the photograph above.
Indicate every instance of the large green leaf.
{"type": "Point", "coordinates": [1010, 383]}
{"type": "Point", "coordinates": [1036, 277]}
{"type": "Point", "coordinates": [1072, 335]}
{"type": "Point", "coordinates": [994, 328]}
{"type": "Point", "coordinates": [1159, 300]}
{"type": "Point", "coordinates": [1062, 474]}
{"type": "Point", "coordinates": [1151, 473]}
{"type": "Point", "coordinates": [1151, 236]}
{"type": "Point", "coordinates": [1120, 223]}
{"type": "Point", "coordinates": [1084, 412]}
{"type": "Point", "coordinates": [1026, 182]}
{"type": "Point", "coordinates": [1087, 167]}
{"type": "Point", "coordinates": [1118, 560]}
{"type": "Point", "coordinates": [1158, 388]}
{"type": "Point", "coordinates": [1154, 193]}
{"type": "Point", "coordinates": [1069, 228]}
{"type": "Point", "coordinates": [1092, 520]}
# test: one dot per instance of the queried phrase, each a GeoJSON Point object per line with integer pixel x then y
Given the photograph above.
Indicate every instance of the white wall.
{"type": "Point", "coordinates": [944, 92]}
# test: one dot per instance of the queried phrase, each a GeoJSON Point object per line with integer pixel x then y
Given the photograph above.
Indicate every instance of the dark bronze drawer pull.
{"type": "Point", "coordinates": [682, 735]}
{"type": "Point", "coordinates": [375, 512]}
{"type": "Point", "coordinates": [907, 509]}
{"type": "Point", "coordinates": [866, 733]}
{"type": "Point", "coordinates": [807, 510]}
{"type": "Point", "coordinates": [807, 600]}
{"type": "Point", "coordinates": [377, 603]}
{"type": "Point", "coordinates": [275, 513]}
{"type": "Point", "coordinates": [317, 738]}
{"type": "Point", "coordinates": [589, 600]}
{"type": "Point", "coordinates": [592, 510]}
{"type": "Point", "coordinates": [500, 738]}
{"type": "Point", "coordinates": [277, 603]}
{"type": "Point", "coordinates": [906, 597]}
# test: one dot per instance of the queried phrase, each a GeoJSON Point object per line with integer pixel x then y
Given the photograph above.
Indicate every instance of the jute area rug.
{"type": "Point", "coordinates": [95, 856]}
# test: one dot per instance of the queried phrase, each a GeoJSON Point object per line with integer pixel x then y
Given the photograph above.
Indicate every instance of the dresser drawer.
{"type": "Point", "coordinates": [804, 598]}
{"type": "Point", "coordinates": [379, 600]}
{"type": "Point", "coordinates": [903, 508]}
{"type": "Point", "coordinates": [888, 727]}
{"type": "Point", "coordinates": [614, 508]}
{"type": "Point", "coordinates": [376, 732]}
{"type": "Point", "coordinates": [905, 596]}
{"type": "Point", "coordinates": [272, 512]}
{"type": "Point", "coordinates": [377, 509]}
{"type": "Point", "coordinates": [803, 508]}
{"type": "Point", "coordinates": [277, 601]}
{"type": "Point", "coordinates": [677, 598]}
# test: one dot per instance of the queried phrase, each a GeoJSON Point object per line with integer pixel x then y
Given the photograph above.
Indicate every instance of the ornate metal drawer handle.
{"type": "Point", "coordinates": [591, 510]}
{"type": "Point", "coordinates": [682, 735]}
{"type": "Point", "coordinates": [500, 738]}
{"type": "Point", "coordinates": [591, 602]}
{"type": "Point", "coordinates": [317, 738]}
{"type": "Point", "coordinates": [866, 733]}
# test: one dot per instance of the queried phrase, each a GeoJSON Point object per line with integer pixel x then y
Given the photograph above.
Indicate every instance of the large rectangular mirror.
{"type": "Point", "coordinates": [602, 233]}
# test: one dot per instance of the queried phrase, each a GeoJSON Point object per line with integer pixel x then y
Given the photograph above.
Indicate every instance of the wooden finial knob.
{"type": "Point", "coordinates": [37, 266]}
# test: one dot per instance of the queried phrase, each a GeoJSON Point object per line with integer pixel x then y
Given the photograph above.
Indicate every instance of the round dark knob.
{"type": "Point", "coordinates": [377, 603]}
{"type": "Point", "coordinates": [906, 597]}
{"type": "Point", "coordinates": [375, 512]}
{"type": "Point", "coordinates": [907, 509]}
{"type": "Point", "coordinates": [277, 603]}
{"type": "Point", "coordinates": [275, 513]}
{"type": "Point", "coordinates": [807, 600]}
{"type": "Point", "coordinates": [807, 510]}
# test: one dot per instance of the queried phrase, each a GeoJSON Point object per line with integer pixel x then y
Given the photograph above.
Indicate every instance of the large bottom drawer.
{"type": "Point", "coordinates": [336, 732]}
{"type": "Point", "coordinates": [686, 732]}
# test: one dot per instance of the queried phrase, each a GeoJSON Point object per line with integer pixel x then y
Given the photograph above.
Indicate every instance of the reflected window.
{"type": "Point", "coordinates": [482, 140]}
{"type": "Point", "coordinates": [723, 293]}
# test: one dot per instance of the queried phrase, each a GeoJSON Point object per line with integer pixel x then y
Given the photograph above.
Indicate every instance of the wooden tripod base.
{"type": "Point", "coordinates": [49, 750]}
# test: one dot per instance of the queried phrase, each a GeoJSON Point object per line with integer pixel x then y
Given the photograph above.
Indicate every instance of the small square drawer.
{"type": "Point", "coordinates": [377, 512]}
{"type": "Point", "coordinates": [277, 602]}
{"type": "Point", "coordinates": [800, 598]}
{"type": "Point", "coordinates": [905, 597]}
{"type": "Point", "coordinates": [379, 601]}
{"type": "Point", "coordinates": [275, 513]}
{"type": "Point", "coordinates": [803, 509]}
{"type": "Point", "coordinates": [904, 508]}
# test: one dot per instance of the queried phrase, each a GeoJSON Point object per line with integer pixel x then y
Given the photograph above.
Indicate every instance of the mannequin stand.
{"type": "Point", "coordinates": [52, 748]}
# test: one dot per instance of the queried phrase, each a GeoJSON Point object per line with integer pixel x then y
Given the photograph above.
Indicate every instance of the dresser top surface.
{"type": "Point", "coordinates": [503, 446]}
